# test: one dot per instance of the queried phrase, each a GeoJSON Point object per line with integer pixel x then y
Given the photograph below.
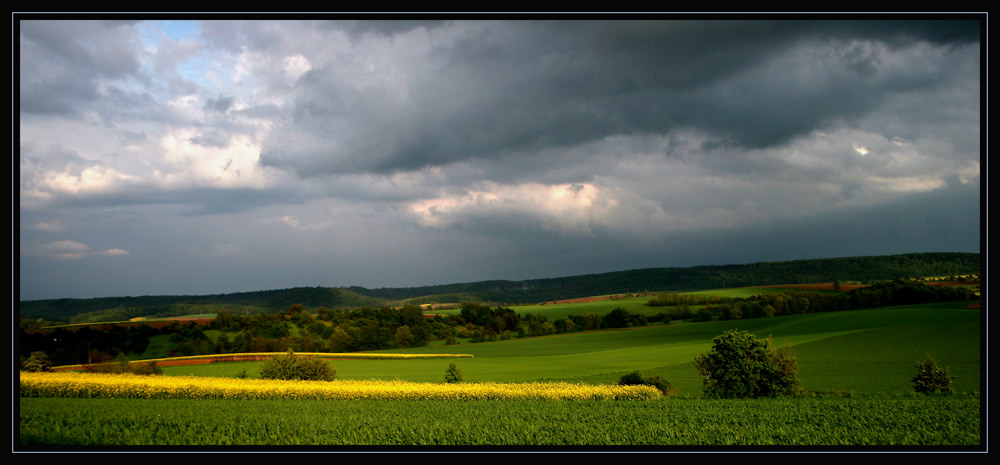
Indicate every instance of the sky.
{"type": "Point", "coordinates": [221, 155]}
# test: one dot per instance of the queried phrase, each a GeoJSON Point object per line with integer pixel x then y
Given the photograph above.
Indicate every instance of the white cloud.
{"type": "Point", "coordinates": [114, 252]}
{"type": "Point", "coordinates": [91, 181]}
{"type": "Point", "coordinates": [908, 183]}
{"type": "Point", "coordinates": [572, 209]}
{"type": "Point", "coordinates": [295, 67]}
{"type": "Point", "coordinates": [193, 165]}
{"type": "Point", "coordinates": [296, 224]}
{"type": "Point", "coordinates": [72, 250]}
{"type": "Point", "coordinates": [50, 226]}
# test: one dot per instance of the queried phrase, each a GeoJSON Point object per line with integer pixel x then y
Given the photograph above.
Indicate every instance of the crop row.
{"type": "Point", "coordinates": [93, 385]}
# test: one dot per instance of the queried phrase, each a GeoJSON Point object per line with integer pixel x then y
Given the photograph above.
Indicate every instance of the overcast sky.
{"type": "Point", "coordinates": [204, 157]}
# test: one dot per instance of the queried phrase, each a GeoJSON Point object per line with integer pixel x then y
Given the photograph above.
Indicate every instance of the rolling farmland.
{"type": "Point", "coordinates": [855, 368]}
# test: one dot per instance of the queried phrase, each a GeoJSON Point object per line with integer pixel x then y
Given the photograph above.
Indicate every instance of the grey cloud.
{"type": "Point", "coordinates": [506, 87]}
{"type": "Point", "coordinates": [221, 104]}
{"type": "Point", "coordinates": [61, 62]}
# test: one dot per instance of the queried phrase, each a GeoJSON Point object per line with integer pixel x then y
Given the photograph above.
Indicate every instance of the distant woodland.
{"type": "Point", "coordinates": [864, 270]}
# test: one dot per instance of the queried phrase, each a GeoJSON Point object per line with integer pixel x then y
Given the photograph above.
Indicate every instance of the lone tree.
{"type": "Point", "coordinates": [740, 365]}
{"type": "Point", "coordinates": [453, 375]}
{"type": "Point", "coordinates": [37, 361]}
{"type": "Point", "coordinates": [931, 377]}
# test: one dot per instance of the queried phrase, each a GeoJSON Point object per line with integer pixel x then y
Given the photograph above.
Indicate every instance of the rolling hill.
{"type": "Point", "coordinates": [862, 269]}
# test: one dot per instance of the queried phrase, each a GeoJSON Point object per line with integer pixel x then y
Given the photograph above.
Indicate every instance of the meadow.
{"type": "Point", "coordinates": [856, 370]}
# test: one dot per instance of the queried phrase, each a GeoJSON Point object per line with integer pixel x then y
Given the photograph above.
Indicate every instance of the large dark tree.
{"type": "Point", "coordinates": [740, 365]}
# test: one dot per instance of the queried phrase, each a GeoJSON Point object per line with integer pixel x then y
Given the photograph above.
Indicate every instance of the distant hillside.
{"type": "Point", "coordinates": [124, 308]}
{"type": "Point", "coordinates": [702, 277]}
{"type": "Point", "coordinates": [528, 291]}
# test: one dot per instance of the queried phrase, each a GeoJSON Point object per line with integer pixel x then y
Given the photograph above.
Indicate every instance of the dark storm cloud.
{"type": "Point", "coordinates": [228, 156]}
{"type": "Point", "coordinates": [498, 88]}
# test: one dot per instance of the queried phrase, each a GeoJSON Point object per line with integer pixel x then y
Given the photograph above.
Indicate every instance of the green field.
{"type": "Point", "coordinates": [822, 423]}
{"type": "Point", "coordinates": [867, 351]}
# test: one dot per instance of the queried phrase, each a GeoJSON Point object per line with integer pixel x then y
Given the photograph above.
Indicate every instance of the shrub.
{"type": "Point", "coordinates": [453, 374]}
{"type": "Point", "coordinates": [631, 379]}
{"type": "Point", "coordinates": [659, 382]}
{"type": "Point", "coordinates": [636, 379]}
{"type": "Point", "coordinates": [930, 377]}
{"type": "Point", "coordinates": [740, 365]}
{"type": "Point", "coordinates": [292, 367]}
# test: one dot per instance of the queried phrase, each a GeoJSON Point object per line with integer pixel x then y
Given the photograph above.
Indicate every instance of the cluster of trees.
{"type": "Point", "coordinates": [89, 346]}
{"type": "Point", "coordinates": [896, 292]}
{"type": "Point", "coordinates": [484, 323]}
{"type": "Point", "coordinates": [325, 330]}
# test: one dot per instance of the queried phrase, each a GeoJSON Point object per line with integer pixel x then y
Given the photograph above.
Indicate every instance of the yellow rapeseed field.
{"type": "Point", "coordinates": [73, 384]}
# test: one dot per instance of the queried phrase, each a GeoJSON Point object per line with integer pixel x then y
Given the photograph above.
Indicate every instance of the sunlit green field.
{"type": "Point", "coordinates": [870, 351]}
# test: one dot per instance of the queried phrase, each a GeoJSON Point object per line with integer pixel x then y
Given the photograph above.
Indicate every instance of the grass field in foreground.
{"type": "Point", "coordinates": [867, 351]}
{"type": "Point", "coordinates": [822, 422]}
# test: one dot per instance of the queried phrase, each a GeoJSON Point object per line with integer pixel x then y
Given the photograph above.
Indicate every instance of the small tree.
{"type": "Point", "coordinates": [453, 375]}
{"type": "Point", "coordinates": [740, 365]}
{"type": "Point", "coordinates": [37, 361]}
{"type": "Point", "coordinates": [930, 377]}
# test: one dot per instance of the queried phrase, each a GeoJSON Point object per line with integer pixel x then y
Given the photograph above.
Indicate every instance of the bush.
{"type": "Point", "coordinates": [659, 382]}
{"type": "Point", "coordinates": [292, 367]}
{"type": "Point", "coordinates": [930, 377]}
{"type": "Point", "coordinates": [453, 374]}
{"type": "Point", "coordinates": [636, 379]}
{"type": "Point", "coordinates": [740, 365]}
{"type": "Point", "coordinates": [631, 379]}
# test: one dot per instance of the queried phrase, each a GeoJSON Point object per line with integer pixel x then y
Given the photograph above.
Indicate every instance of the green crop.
{"type": "Point", "coordinates": [818, 422]}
